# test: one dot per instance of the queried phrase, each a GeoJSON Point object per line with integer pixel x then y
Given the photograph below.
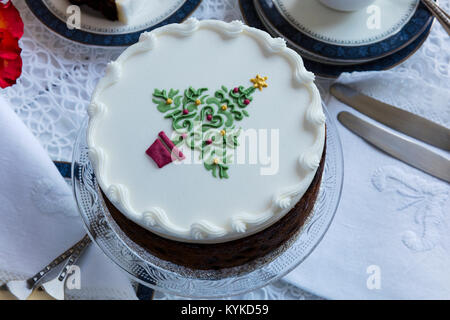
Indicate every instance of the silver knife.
{"type": "Point", "coordinates": [398, 119]}
{"type": "Point", "coordinates": [398, 147]}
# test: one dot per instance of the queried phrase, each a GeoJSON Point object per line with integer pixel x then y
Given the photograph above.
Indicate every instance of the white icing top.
{"type": "Point", "coordinates": [129, 9]}
{"type": "Point", "coordinates": [183, 201]}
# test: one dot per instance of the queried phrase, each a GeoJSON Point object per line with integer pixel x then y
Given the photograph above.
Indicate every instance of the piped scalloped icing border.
{"type": "Point", "coordinates": [242, 224]}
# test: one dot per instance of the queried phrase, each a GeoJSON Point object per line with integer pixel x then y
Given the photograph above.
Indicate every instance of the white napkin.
{"type": "Point", "coordinates": [390, 238]}
{"type": "Point", "coordinates": [39, 218]}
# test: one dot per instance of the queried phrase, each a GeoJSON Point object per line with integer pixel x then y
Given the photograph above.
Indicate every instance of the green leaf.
{"type": "Point", "coordinates": [173, 115]}
{"type": "Point", "coordinates": [235, 141]}
{"type": "Point", "coordinates": [216, 122]}
{"type": "Point", "coordinates": [177, 101]}
{"type": "Point", "coordinates": [159, 93]}
{"type": "Point", "coordinates": [227, 114]}
{"type": "Point", "coordinates": [173, 93]}
{"type": "Point", "coordinates": [212, 168]}
{"type": "Point", "coordinates": [190, 92]}
{"type": "Point", "coordinates": [186, 120]}
{"type": "Point", "coordinates": [220, 95]}
{"type": "Point", "coordinates": [213, 100]}
{"type": "Point", "coordinates": [250, 90]}
{"type": "Point", "coordinates": [163, 107]}
{"type": "Point", "coordinates": [223, 171]}
{"type": "Point", "coordinates": [191, 107]}
{"type": "Point", "coordinates": [200, 91]}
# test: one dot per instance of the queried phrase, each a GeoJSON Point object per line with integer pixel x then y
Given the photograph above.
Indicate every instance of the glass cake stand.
{"type": "Point", "coordinates": [170, 278]}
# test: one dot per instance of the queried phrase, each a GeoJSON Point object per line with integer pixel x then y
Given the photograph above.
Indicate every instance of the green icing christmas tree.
{"type": "Point", "coordinates": [206, 123]}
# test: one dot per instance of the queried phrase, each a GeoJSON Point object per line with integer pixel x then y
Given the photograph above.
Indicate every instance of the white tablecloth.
{"type": "Point", "coordinates": [59, 76]}
{"type": "Point", "coordinates": [39, 218]}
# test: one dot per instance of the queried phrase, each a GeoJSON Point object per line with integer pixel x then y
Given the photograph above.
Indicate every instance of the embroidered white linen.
{"type": "Point", "coordinates": [390, 238]}
{"type": "Point", "coordinates": [39, 219]}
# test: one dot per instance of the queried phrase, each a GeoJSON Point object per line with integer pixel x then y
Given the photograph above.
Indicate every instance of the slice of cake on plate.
{"type": "Point", "coordinates": [208, 143]}
{"type": "Point", "coordinates": [122, 10]}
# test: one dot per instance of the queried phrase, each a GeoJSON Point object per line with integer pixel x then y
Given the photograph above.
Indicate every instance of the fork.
{"type": "Point", "coordinates": [442, 16]}
{"type": "Point", "coordinates": [22, 289]}
{"type": "Point", "coordinates": [55, 287]}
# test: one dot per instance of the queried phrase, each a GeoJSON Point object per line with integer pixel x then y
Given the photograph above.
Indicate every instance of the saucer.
{"type": "Point", "coordinates": [330, 71]}
{"type": "Point", "coordinates": [98, 31]}
{"type": "Point", "coordinates": [324, 34]}
{"type": "Point", "coordinates": [304, 53]}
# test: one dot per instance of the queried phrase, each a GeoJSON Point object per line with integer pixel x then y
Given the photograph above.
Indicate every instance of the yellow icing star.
{"type": "Point", "coordinates": [169, 101]}
{"type": "Point", "coordinates": [216, 161]}
{"type": "Point", "coordinates": [223, 132]}
{"type": "Point", "coordinates": [224, 107]}
{"type": "Point", "coordinates": [259, 82]}
{"type": "Point", "coordinates": [197, 102]}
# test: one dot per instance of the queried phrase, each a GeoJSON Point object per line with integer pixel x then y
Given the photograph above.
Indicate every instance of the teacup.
{"type": "Point", "coordinates": [347, 5]}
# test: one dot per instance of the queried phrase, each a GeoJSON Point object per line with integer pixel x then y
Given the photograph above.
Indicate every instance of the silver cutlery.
{"type": "Point", "coordinates": [55, 287]}
{"type": "Point", "coordinates": [22, 289]}
{"type": "Point", "coordinates": [398, 146]}
{"type": "Point", "coordinates": [442, 16]}
{"type": "Point", "coordinates": [393, 117]}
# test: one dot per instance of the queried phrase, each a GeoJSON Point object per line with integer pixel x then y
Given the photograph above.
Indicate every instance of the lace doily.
{"type": "Point", "coordinates": [59, 76]}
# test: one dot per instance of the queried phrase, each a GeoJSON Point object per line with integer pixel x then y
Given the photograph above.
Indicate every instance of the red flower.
{"type": "Point", "coordinates": [11, 30]}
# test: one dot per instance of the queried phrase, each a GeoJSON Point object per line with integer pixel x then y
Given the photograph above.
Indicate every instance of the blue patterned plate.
{"type": "Point", "coordinates": [333, 71]}
{"type": "Point", "coordinates": [330, 36]}
{"type": "Point", "coordinates": [96, 30]}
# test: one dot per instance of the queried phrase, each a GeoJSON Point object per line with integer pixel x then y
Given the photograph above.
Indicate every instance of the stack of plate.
{"type": "Point", "coordinates": [331, 42]}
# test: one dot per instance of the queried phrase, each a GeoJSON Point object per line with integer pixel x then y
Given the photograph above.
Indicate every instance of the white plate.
{"type": "Point", "coordinates": [93, 21]}
{"type": "Point", "coordinates": [347, 28]}
{"type": "Point", "coordinates": [96, 30]}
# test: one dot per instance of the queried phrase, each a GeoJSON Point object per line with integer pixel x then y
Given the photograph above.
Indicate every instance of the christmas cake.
{"type": "Point", "coordinates": [208, 142]}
